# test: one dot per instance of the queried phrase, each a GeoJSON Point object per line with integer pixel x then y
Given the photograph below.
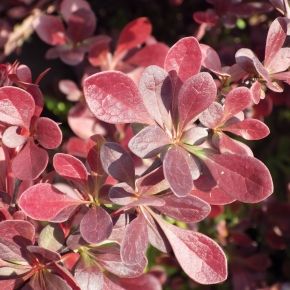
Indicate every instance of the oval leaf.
{"type": "Point", "coordinates": [195, 95]}
{"type": "Point", "coordinates": [114, 98]}
{"type": "Point", "coordinates": [16, 106]}
{"type": "Point", "coordinates": [133, 34]}
{"type": "Point", "coordinates": [30, 162]}
{"type": "Point", "coordinates": [44, 202]}
{"type": "Point", "coordinates": [135, 242]}
{"type": "Point", "coordinates": [48, 133]}
{"type": "Point", "coordinates": [200, 257]}
{"type": "Point", "coordinates": [187, 209]}
{"type": "Point", "coordinates": [243, 177]}
{"type": "Point", "coordinates": [177, 171]}
{"type": "Point", "coordinates": [118, 163]}
{"type": "Point", "coordinates": [96, 225]}
{"type": "Point", "coordinates": [70, 167]}
{"type": "Point", "coordinates": [149, 142]}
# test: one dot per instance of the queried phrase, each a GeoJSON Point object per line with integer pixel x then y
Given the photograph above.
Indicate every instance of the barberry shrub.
{"type": "Point", "coordinates": [159, 146]}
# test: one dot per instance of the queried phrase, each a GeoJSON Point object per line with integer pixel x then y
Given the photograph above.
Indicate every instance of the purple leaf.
{"type": "Point", "coordinates": [16, 106]}
{"type": "Point", "coordinates": [243, 177]}
{"type": "Point", "coordinates": [135, 242]}
{"type": "Point", "coordinates": [177, 171]}
{"type": "Point", "coordinates": [96, 225]}
{"type": "Point", "coordinates": [156, 90]}
{"type": "Point", "coordinates": [30, 162]}
{"type": "Point", "coordinates": [149, 142]}
{"type": "Point", "coordinates": [189, 209]}
{"type": "Point", "coordinates": [44, 202]}
{"type": "Point", "coordinates": [118, 163]}
{"type": "Point", "coordinates": [81, 25]}
{"type": "Point", "coordinates": [50, 29]}
{"type": "Point", "coordinates": [200, 257]}
{"type": "Point", "coordinates": [114, 98]}
{"type": "Point", "coordinates": [212, 116]}
{"type": "Point", "coordinates": [195, 95]}
{"type": "Point", "coordinates": [67, 7]}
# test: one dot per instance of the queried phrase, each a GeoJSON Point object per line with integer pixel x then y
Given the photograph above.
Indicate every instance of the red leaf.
{"type": "Point", "coordinates": [135, 242]}
{"type": "Point", "coordinates": [30, 162]}
{"type": "Point", "coordinates": [188, 209]}
{"type": "Point", "coordinates": [133, 34]}
{"type": "Point", "coordinates": [177, 171]}
{"type": "Point", "coordinates": [156, 90]}
{"type": "Point", "coordinates": [243, 177]}
{"type": "Point", "coordinates": [200, 257]}
{"type": "Point", "coordinates": [215, 196]}
{"type": "Point", "coordinates": [275, 39]}
{"type": "Point", "coordinates": [16, 106]}
{"type": "Point", "coordinates": [144, 282]}
{"type": "Point", "coordinates": [149, 142]}
{"type": "Point", "coordinates": [280, 62]}
{"type": "Point", "coordinates": [210, 59]}
{"type": "Point", "coordinates": [44, 202]}
{"type": "Point", "coordinates": [10, 229]}
{"type": "Point", "coordinates": [250, 129]}
{"type": "Point", "coordinates": [153, 54]}
{"type": "Point", "coordinates": [236, 101]}
{"type": "Point", "coordinates": [183, 59]}
{"type": "Point", "coordinates": [50, 29]}
{"type": "Point", "coordinates": [118, 163]}
{"type": "Point", "coordinates": [48, 133]}
{"type": "Point", "coordinates": [70, 167]}
{"type": "Point", "coordinates": [195, 95]}
{"type": "Point", "coordinates": [96, 225]}
{"type": "Point", "coordinates": [114, 98]}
